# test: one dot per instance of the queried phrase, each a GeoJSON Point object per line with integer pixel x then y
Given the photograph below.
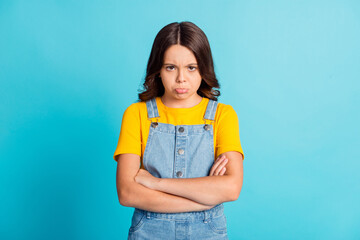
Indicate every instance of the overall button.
{"type": "Point", "coordinates": [181, 129]}
{"type": "Point", "coordinates": [154, 124]}
{"type": "Point", "coordinates": [207, 127]}
{"type": "Point", "coordinates": [179, 174]}
{"type": "Point", "coordinates": [181, 151]}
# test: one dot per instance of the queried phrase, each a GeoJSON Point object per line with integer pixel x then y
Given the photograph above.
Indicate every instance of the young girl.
{"type": "Point", "coordinates": [179, 154]}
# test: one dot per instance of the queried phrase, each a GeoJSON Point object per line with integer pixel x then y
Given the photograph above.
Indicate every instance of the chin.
{"type": "Point", "coordinates": [182, 96]}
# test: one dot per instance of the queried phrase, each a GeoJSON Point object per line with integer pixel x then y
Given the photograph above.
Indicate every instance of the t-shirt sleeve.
{"type": "Point", "coordinates": [130, 133]}
{"type": "Point", "coordinates": [228, 137]}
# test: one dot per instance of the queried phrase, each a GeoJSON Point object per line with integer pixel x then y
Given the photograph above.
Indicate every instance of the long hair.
{"type": "Point", "coordinates": [188, 35]}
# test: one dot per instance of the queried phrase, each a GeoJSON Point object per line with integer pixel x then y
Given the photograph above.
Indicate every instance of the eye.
{"type": "Point", "coordinates": [169, 68]}
{"type": "Point", "coordinates": [192, 68]}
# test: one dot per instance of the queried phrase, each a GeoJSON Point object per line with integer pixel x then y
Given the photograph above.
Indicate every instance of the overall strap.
{"type": "Point", "coordinates": [152, 108]}
{"type": "Point", "coordinates": [211, 110]}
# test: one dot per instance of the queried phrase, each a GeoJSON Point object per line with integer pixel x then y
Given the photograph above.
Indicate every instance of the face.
{"type": "Point", "coordinates": [180, 76]}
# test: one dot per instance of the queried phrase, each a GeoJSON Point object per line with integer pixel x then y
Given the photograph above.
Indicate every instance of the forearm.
{"type": "Point", "coordinates": [210, 190]}
{"type": "Point", "coordinates": [139, 196]}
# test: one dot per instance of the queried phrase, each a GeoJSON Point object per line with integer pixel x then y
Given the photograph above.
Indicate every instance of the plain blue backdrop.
{"type": "Point", "coordinates": [69, 69]}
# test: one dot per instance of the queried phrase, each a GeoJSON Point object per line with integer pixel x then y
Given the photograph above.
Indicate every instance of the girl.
{"type": "Point", "coordinates": [179, 154]}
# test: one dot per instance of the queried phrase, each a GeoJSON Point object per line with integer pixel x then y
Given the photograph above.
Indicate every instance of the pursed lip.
{"type": "Point", "coordinates": [181, 90]}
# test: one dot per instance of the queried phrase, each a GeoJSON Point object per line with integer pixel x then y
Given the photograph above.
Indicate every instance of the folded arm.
{"type": "Point", "coordinates": [210, 190]}
{"type": "Point", "coordinates": [133, 194]}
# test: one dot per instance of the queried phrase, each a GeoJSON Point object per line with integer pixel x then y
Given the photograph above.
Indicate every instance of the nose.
{"type": "Point", "coordinates": [181, 76]}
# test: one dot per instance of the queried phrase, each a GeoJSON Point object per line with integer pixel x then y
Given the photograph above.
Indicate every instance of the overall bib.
{"type": "Point", "coordinates": [181, 151]}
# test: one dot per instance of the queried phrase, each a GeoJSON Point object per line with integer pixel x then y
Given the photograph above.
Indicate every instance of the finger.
{"type": "Point", "coordinates": [218, 166]}
{"type": "Point", "coordinates": [221, 166]}
{"type": "Point", "coordinates": [215, 165]}
{"type": "Point", "coordinates": [220, 157]}
{"type": "Point", "coordinates": [222, 172]}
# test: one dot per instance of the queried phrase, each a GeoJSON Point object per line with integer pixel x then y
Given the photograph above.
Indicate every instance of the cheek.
{"type": "Point", "coordinates": [165, 76]}
{"type": "Point", "coordinates": [165, 82]}
{"type": "Point", "coordinates": [198, 82]}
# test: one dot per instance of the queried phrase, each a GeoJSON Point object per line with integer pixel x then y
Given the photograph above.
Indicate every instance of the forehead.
{"type": "Point", "coordinates": [179, 54]}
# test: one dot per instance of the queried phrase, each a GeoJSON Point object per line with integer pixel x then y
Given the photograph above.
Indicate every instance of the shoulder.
{"type": "Point", "coordinates": [136, 107]}
{"type": "Point", "coordinates": [225, 115]}
{"type": "Point", "coordinates": [225, 109]}
{"type": "Point", "coordinates": [135, 111]}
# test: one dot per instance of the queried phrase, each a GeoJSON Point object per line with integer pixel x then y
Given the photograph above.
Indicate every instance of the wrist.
{"type": "Point", "coordinates": [159, 184]}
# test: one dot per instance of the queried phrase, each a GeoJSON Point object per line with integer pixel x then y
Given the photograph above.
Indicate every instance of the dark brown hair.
{"type": "Point", "coordinates": [188, 35]}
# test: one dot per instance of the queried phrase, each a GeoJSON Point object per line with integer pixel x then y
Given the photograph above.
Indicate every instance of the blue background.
{"type": "Point", "coordinates": [69, 69]}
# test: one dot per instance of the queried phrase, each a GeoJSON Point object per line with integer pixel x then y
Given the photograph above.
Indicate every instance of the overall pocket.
{"type": "Point", "coordinates": [137, 221]}
{"type": "Point", "coordinates": [218, 224]}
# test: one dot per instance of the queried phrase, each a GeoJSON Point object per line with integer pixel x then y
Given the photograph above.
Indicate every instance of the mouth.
{"type": "Point", "coordinates": [181, 90]}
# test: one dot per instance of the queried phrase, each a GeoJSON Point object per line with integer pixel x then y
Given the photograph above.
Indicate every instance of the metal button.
{"type": "Point", "coordinates": [181, 151]}
{"type": "Point", "coordinates": [181, 129]}
{"type": "Point", "coordinates": [154, 124]}
{"type": "Point", "coordinates": [207, 127]}
{"type": "Point", "coordinates": [179, 174]}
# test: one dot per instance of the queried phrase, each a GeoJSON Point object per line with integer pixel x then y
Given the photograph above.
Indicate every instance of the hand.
{"type": "Point", "coordinates": [218, 168]}
{"type": "Point", "coordinates": [145, 178]}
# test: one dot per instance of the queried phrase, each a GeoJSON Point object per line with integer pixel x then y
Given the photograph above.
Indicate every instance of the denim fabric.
{"type": "Point", "coordinates": [209, 224]}
{"type": "Point", "coordinates": [182, 151]}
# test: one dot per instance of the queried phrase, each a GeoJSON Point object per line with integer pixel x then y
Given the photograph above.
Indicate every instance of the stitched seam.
{"type": "Point", "coordinates": [156, 109]}
{"type": "Point", "coordinates": [211, 110]}
{"type": "Point", "coordinates": [152, 109]}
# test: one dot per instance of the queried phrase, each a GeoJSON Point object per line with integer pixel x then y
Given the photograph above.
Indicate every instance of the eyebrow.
{"type": "Point", "coordinates": [186, 65]}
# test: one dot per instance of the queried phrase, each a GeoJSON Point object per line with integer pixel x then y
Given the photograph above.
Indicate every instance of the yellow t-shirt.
{"type": "Point", "coordinates": [136, 125]}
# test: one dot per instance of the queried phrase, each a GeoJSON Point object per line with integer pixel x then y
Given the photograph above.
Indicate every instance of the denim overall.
{"type": "Point", "coordinates": [182, 151]}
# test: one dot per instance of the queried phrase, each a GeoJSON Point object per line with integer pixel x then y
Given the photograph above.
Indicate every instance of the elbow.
{"type": "Point", "coordinates": [123, 195]}
{"type": "Point", "coordinates": [123, 201]}
{"type": "Point", "coordinates": [234, 193]}
{"type": "Point", "coordinates": [234, 196]}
